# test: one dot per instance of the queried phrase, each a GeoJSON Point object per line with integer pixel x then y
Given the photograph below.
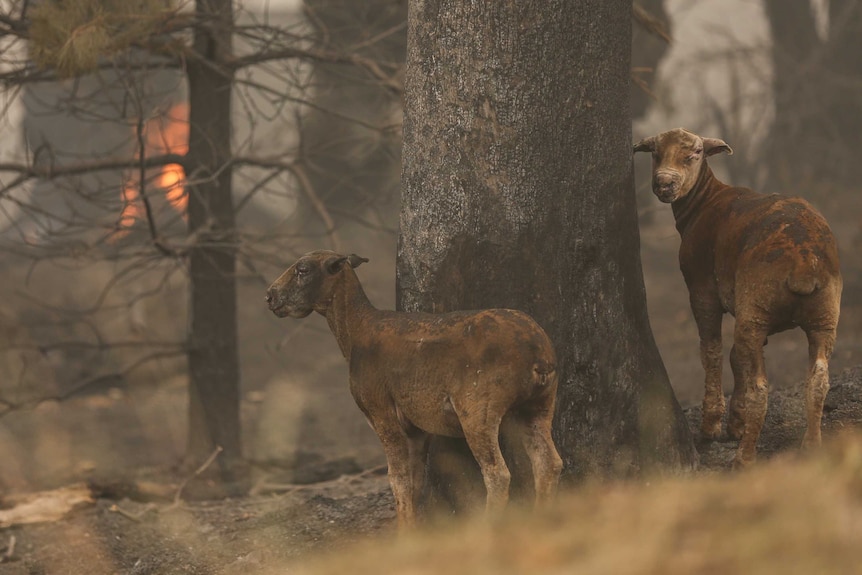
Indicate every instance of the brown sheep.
{"type": "Point", "coordinates": [770, 261]}
{"type": "Point", "coordinates": [414, 374]}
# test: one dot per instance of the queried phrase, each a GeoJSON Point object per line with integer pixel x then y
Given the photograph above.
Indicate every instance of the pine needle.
{"type": "Point", "coordinates": [73, 37]}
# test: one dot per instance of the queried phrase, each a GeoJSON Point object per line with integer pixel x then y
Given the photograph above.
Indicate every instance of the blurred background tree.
{"type": "Point", "coordinates": [817, 86]}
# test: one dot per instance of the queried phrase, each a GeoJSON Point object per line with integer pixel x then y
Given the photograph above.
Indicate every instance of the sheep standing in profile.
{"type": "Point", "coordinates": [456, 374]}
{"type": "Point", "coordinates": [768, 260]}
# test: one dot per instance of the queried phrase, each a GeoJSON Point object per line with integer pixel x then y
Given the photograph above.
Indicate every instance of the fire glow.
{"type": "Point", "coordinates": [166, 134]}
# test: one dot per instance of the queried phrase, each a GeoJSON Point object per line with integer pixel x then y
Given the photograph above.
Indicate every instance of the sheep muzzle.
{"type": "Point", "coordinates": [666, 185]}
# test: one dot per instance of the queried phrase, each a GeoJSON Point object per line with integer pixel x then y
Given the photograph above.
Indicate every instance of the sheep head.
{"type": "Point", "coordinates": [309, 284]}
{"type": "Point", "coordinates": [677, 159]}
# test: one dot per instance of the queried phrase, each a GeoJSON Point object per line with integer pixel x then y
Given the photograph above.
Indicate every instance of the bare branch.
{"type": "Point", "coordinates": [50, 172]}
{"type": "Point", "coordinates": [142, 178]}
{"type": "Point", "coordinates": [7, 406]}
{"type": "Point", "coordinates": [651, 23]}
{"type": "Point", "coordinates": [391, 82]}
{"type": "Point", "coordinates": [203, 467]}
{"type": "Point", "coordinates": [298, 170]}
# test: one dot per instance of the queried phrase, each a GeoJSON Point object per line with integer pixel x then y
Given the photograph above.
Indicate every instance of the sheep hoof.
{"type": "Point", "coordinates": [809, 442]}
{"type": "Point", "coordinates": [739, 463]}
{"type": "Point", "coordinates": [711, 431]}
{"type": "Point", "coordinates": [735, 432]}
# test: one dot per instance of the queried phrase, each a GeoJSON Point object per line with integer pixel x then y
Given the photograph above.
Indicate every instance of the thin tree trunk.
{"type": "Point", "coordinates": [817, 129]}
{"type": "Point", "coordinates": [798, 102]}
{"type": "Point", "coordinates": [213, 355]}
{"type": "Point", "coordinates": [518, 192]}
{"type": "Point", "coordinates": [844, 62]}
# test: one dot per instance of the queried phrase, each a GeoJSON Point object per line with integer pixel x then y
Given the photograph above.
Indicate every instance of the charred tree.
{"type": "Point", "coordinates": [213, 354]}
{"type": "Point", "coordinates": [517, 192]}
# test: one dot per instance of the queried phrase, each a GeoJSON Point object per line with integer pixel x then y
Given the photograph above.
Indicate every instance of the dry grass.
{"type": "Point", "coordinates": [792, 515]}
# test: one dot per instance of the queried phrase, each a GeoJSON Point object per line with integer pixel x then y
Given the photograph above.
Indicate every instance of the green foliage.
{"type": "Point", "coordinates": [71, 36]}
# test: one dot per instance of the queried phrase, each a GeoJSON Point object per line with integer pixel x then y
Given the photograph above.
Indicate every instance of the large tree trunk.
{"type": "Point", "coordinates": [213, 355]}
{"type": "Point", "coordinates": [518, 192]}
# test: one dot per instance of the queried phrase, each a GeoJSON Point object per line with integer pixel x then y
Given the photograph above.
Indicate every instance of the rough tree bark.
{"type": "Point", "coordinates": [213, 353]}
{"type": "Point", "coordinates": [517, 192]}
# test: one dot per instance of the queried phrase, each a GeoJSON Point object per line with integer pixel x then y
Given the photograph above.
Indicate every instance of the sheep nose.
{"type": "Point", "coordinates": [268, 296]}
{"type": "Point", "coordinates": [663, 181]}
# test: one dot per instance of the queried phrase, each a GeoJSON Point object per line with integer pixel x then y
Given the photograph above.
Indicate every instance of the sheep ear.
{"type": "Point", "coordinates": [334, 265]}
{"type": "Point", "coordinates": [645, 145]}
{"type": "Point", "coordinates": [712, 146]}
{"type": "Point", "coordinates": [355, 261]}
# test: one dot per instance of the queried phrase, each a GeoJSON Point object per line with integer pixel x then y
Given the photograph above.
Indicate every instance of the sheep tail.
{"type": "Point", "coordinates": [803, 280]}
{"type": "Point", "coordinates": [543, 371]}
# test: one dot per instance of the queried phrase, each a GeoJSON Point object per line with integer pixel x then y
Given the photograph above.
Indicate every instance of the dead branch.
{"type": "Point", "coordinates": [642, 84]}
{"type": "Point", "coordinates": [133, 516]}
{"type": "Point", "coordinates": [142, 178]}
{"type": "Point", "coordinates": [9, 551]}
{"type": "Point", "coordinates": [7, 406]}
{"type": "Point", "coordinates": [298, 170]}
{"type": "Point", "coordinates": [263, 488]}
{"type": "Point", "coordinates": [198, 471]}
{"type": "Point", "coordinates": [31, 171]}
{"type": "Point", "coordinates": [391, 82]}
{"type": "Point", "coordinates": [651, 23]}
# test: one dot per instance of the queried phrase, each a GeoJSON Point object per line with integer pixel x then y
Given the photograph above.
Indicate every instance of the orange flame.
{"type": "Point", "coordinates": [167, 134]}
{"type": "Point", "coordinates": [132, 209]}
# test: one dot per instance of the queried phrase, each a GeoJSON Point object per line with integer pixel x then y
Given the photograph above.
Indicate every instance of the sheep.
{"type": "Point", "coordinates": [768, 260]}
{"type": "Point", "coordinates": [455, 374]}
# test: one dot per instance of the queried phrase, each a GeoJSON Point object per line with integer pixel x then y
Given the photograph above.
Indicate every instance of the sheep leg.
{"type": "Point", "coordinates": [748, 339]}
{"type": "Point", "coordinates": [820, 345]}
{"type": "Point", "coordinates": [708, 316]}
{"type": "Point", "coordinates": [396, 447]}
{"type": "Point", "coordinates": [736, 424]}
{"type": "Point", "coordinates": [417, 443]}
{"type": "Point", "coordinates": [544, 459]}
{"type": "Point", "coordinates": [482, 431]}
